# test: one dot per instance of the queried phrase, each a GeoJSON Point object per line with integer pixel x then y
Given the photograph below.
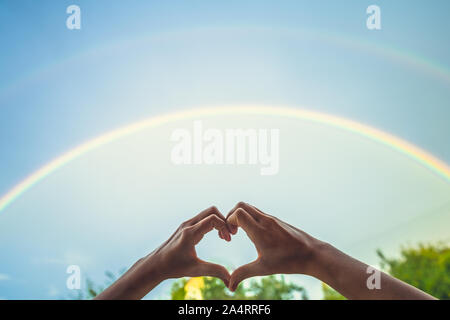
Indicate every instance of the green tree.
{"type": "Point", "coordinates": [270, 287]}
{"type": "Point", "coordinates": [178, 291]}
{"type": "Point", "coordinates": [90, 290]}
{"type": "Point", "coordinates": [426, 267]}
{"type": "Point", "coordinates": [331, 294]}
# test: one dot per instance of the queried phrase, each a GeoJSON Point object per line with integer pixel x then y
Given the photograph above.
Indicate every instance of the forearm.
{"type": "Point", "coordinates": [349, 277]}
{"type": "Point", "coordinates": [139, 280]}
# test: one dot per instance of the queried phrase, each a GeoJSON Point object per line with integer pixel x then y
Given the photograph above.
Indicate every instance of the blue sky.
{"type": "Point", "coordinates": [129, 61]}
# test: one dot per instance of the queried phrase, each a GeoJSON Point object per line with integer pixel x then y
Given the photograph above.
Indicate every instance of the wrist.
{"type": "Point", "coordinates": [150, 267]}
{"type": "Point", "coordinates": [142, 277]}
{"type": "Point", "coordinates": [318, 258]}
{"type": "Point", "coordinates": [330, 264]}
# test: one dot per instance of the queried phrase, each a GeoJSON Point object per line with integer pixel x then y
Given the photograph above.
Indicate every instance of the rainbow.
{"type": "Point", "coordinates": [427, 160]}
{"type": "Point", "coordinates": [394, 54]}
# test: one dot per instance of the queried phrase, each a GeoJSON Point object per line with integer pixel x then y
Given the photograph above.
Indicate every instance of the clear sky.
{"type": "Point", "coordinates": [136, 59]}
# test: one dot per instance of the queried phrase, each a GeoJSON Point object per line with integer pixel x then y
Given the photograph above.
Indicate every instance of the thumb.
{"type": "Point", "coordinates": [213, 270]}
{"type": "Point", "coordinates": [249, 270]}
{"type": "Point", "coordinates": [241, 218]}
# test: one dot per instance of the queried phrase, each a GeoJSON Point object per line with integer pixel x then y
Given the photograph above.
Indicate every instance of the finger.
{"type": "Point", "coordinates": [205, 213]}
{"type": "Point", "coordinates": [221, 235]}
{"type": "Point", "coordinates": [246, 271]}
{"type": "Point", "coordinates": [270, 218]}
{"type": "Point", "coordinates": [213, 270]}
{"type": "Point", "coordinates": [263, 219]}
{"type": "Point", "coordinates": [255, 213]}
{"type": "Point", "coordinates": [241, 218]}
{"type": "Point", "coordinates": [207, 224]}
{"type": "Point", "coordinates": [233, 229]}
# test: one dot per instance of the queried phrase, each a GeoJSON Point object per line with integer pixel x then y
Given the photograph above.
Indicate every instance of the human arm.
{"type": "Point", "coordinates": [283, 248]}
{"type": "Point", "coordinates": [175, 258]}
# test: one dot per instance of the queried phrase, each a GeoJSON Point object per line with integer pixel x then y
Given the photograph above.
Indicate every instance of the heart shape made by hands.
{"type": "Point", "coordinates": [233, 224]}
{"type": "Point", "coordinates": [281, 248]}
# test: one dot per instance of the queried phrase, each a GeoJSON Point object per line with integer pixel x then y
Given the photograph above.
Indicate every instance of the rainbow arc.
{"type": "Point", "coordinates": [414, 152]}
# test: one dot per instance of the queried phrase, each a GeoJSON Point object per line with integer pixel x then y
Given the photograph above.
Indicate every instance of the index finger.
{"type": "Point", "coordinates": [254, 212]}
{"type": "Point", "coordinates": [204, 214]}
{"type": "Point", "coordinates": [207, 224]}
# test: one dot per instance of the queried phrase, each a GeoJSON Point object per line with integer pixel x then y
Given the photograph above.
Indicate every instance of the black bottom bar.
{"type": "Point", "coordinates": [161, 309]}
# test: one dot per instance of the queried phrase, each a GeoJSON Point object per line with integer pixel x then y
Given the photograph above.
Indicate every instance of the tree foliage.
{"type": "Point", "coordinates": [91, 289]}
{"type": "Point", "coordinates": [331, 294]}
{"type": "Point", "coordinates": [426, 267]}
{"type": "Point", "coordinates": [267, 288]}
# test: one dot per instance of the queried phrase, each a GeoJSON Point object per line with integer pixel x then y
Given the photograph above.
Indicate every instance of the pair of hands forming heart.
{"type": "Point", "coordinates": [281, 247]}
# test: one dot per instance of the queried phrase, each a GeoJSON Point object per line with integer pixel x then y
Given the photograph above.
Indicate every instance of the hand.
{"type": "Point", "coordinates": [281, 247]}
{"type": "Point", "coordinates": [177, 256]}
